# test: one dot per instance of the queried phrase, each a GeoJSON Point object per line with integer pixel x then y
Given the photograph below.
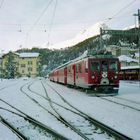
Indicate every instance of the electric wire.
{"type": "Point", "coordinates": [51, 24]}
{"type": "Point", "coordinates": [122, 9]}
{"type": "Point", "coordinates": [1, 4]}
{"type": "Point", "coordinates": [42, 13]}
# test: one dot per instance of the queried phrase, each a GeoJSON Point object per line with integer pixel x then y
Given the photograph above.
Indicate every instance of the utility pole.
{"type": "Point", "coordinates": [139, 41]}
{"type": "Point", "coordinates": [1, 66]}
{"type": "Point", "coordinates": [101, 41]}
{"type": "Point", "coordinates": [138, 15]}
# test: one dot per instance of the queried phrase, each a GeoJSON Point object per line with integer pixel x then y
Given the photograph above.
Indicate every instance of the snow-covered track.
{"type": "Point", "coordinates": [7, 86]}
{"type": "Point", "coordinates": [123, 102]}
{"type": "Point", "coordinates": [57, 115]}
{"type": "Point", "coordinates": [131, 101]}
{"type": "Point", "coordinates": [33, 121]}
{"type": "Point", "coordinates": [112, 132]}
{"type": "Point", "coordinates": [72, 124]}
{"type": "Point", "coordinates": [13, 129]}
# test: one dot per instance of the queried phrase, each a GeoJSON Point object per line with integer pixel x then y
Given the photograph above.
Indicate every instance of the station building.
{"type": "Point", "coordinates": [20, 65]}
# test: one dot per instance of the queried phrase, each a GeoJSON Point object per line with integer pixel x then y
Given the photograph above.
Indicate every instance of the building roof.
{"type": "Point", "coordinates": [137, 54]}
{"type": "Point", "coordinates": [28, 54]}
{"type": "Point", "coordinates": [125, 58]}
{"type": "Point", "coordinates": [130, 67]}
{"type": "Point", "coordinates": [1, 55]}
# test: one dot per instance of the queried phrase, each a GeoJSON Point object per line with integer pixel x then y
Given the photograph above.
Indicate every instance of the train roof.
{"type": "Point", "coordinates": [95, 57]}
{"type": "Point", "coordinates": [85, 56]}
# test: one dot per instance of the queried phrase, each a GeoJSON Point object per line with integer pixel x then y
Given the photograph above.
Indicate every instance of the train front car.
{"type": "Point", "coordinates": [104, 74]}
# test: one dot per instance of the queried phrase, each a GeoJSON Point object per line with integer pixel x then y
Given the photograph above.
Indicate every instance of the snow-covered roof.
{"type": "Point", "coordinates": [83, 35]}
{"type": "Point", "coordinates": [130, 67]}
{"type": "Point", "coordinates": [1, 55]}
{"type": "Point", "coordinates": [137, 54]}
{"type": "Point", "coordinates": [28, 54]}
{"type": "Point", "coordinates": [131, 27]}
{"type": "Point", "coordinates": [126, 59]}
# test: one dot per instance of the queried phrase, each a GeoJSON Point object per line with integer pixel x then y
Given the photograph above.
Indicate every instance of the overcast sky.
{"type": "Point", "coordinates": [28, 23]}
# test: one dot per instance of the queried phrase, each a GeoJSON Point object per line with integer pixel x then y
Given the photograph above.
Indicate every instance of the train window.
{"type": "Point", "coordinates": [86, 66]}
{"type": "Point", "coordinates": [69, 69]}
{"type": "Point", "coordinates": [94, 66]}
{"type": "Point", "coordinates": [104, 65]}
{"type": "Point", "coordinates": [80, 68]}
{"type": "Point", "coordinates": [76, 68]}
{"type": "Point", "coordinates": [113, 65]}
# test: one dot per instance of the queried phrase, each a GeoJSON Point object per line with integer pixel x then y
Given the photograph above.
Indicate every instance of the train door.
{"type": "Point", "coordinates": [74, 73]}
{"type": "Point", "coordinates": [65, 75]}
{"type": "Point", "coordinates": [71, 74]}
{"type": "Point", "coordinates": [94, 71]}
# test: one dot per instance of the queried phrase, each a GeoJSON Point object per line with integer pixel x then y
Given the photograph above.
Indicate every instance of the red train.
{"type": "Point", "coordinates": [90, 72]}
{"type": "Point", "coordinates": [130, 73]}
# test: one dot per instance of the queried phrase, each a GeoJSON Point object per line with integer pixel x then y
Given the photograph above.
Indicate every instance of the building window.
{"type": "Point", "coordinates": [23, 65]}
{"type": "Point", "coordinates": [30, 69]}
{"type": "Point", "coordinates": [30, 62]}
{"type": "Point", "coordinates": [22, 71]}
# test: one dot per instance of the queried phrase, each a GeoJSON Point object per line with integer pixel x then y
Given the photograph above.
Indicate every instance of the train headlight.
{"type": "Point", "coordinates": [115, 76]}
{"type": "Point", "coordinates": [92, 76]}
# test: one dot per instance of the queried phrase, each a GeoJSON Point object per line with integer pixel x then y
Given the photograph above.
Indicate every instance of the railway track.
{"type": "Point", "coordinates": [131, 101]}
{"type": "Point", "coordinates": [123, 102]}
{"type": "Point", "coordinates": [111, 97]}
{"type": "Point", "coordinates": [36, 125]}
{"type": "Point", "coordinates": [57, 115]}
{"type": "Point", "coordinates": [97, 125]}
{"type": "Point", "coordinates": [13, 129]}
{"type": "Point", "coordinates": [51, 112]}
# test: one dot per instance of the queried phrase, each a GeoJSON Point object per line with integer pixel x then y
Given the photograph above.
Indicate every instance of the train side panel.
{"type": "Point", "coordinates": [82, 76]}
{"type": "Point", "coordinates": [55, 75]}
{"type": "Point", "coordinates": [51, 76]}
{"type": "Point", "coordinates": [71, 69]}
{"type": "Point", "coordinates": [62, 75]}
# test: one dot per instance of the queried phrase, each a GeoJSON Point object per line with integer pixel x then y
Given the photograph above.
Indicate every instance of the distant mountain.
{"type": "Point", "coordinates": [80, 37]}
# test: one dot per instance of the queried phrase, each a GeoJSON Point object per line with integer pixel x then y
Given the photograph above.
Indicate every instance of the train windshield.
{"type": "Point", "coordinates": [113, 66]}
{"type": "Point", "coordinates": [104, 65]}
{"type": "Point", "coordinates": [94, 66]}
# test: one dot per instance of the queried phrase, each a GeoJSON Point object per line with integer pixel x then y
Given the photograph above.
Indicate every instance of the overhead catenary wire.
{"type": "Point", "coordinates": [42, 13]}
{"type": "Point", "coordinates": [51, 24]}
{"type": "Point", "coordinates": [37, 20]}
{"type": "Point", "coordinates": [1, 4]}
{"type": "Point", "coordinates": [29, 29]}
{"type": "Point", "coordinates": [122, 9]}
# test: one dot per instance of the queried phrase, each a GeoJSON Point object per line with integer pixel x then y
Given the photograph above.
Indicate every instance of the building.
{"type": "Point", "coordinates": [20, 65]}
{"type": "Point", "coordinates": [128, 61]}
{"type": "Point", "coordinates": [115, 50]}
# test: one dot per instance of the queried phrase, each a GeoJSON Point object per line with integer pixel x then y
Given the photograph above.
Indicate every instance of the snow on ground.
{"type": "Point", "coordinates": [14, 96]}
{"type": "Point", "coordinates": [118, 117]}
{"type": "Point", "coordinates": [121, 118]}
{"type": "Point", "coordinates": [9, 134]}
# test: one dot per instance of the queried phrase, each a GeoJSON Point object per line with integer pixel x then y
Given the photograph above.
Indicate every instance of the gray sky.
{"type": "Point", "coordinates": [28, 23]}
